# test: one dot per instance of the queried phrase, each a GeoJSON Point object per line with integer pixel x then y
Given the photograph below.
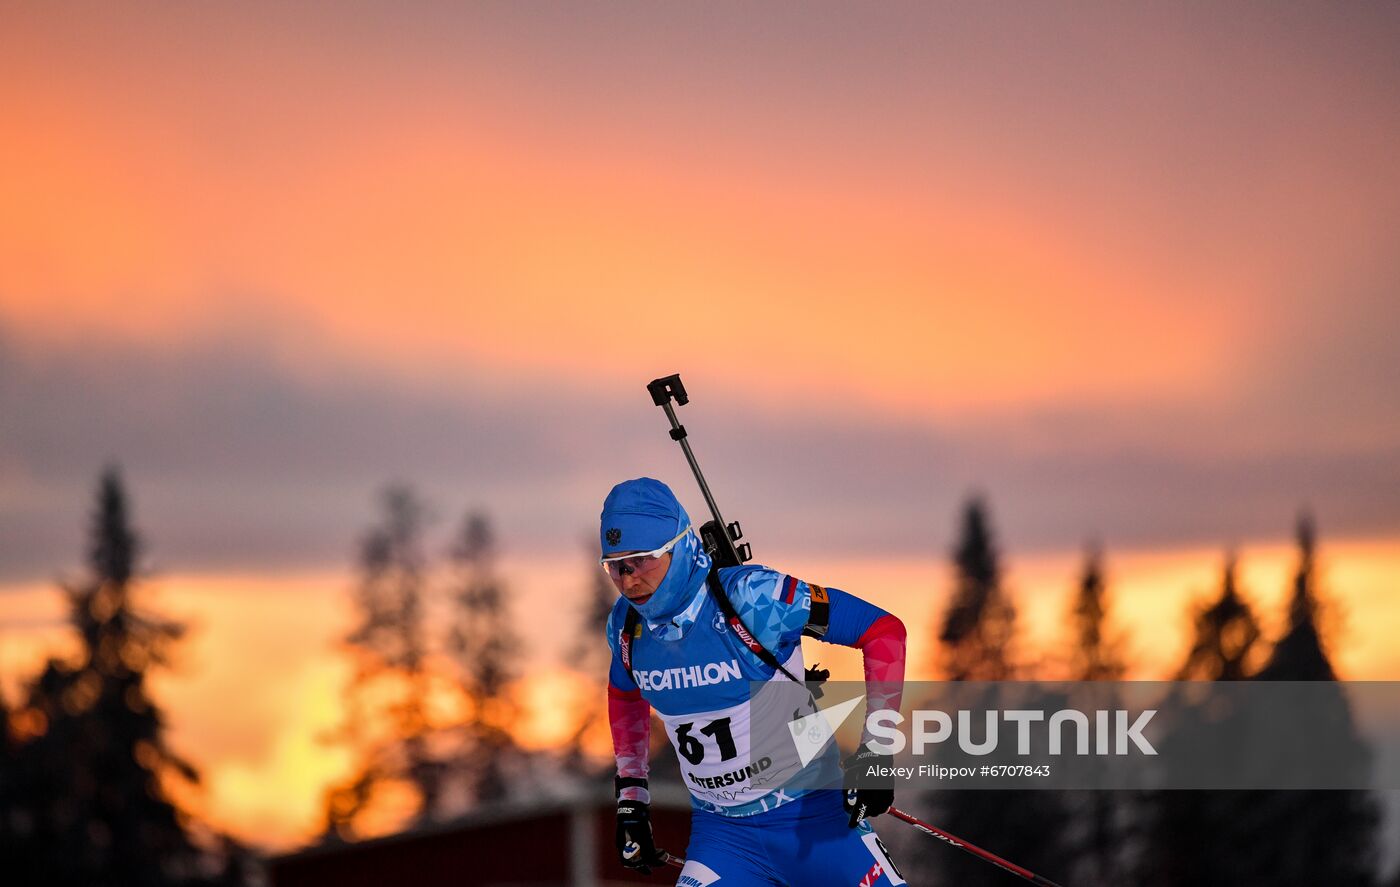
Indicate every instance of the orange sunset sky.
{"type": "Point", "coordinates": [1130, 272]}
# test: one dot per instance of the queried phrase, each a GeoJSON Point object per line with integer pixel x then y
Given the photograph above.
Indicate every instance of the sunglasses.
{"type": "Point", "coordinates": [627, 564]}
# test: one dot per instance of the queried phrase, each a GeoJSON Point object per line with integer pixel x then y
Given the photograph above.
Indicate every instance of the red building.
{"type": "Point", "coordinates": [559, 843]}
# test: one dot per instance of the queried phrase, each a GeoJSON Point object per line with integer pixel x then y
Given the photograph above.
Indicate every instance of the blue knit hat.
{"type": "Point", "coordinates": [640, 515]}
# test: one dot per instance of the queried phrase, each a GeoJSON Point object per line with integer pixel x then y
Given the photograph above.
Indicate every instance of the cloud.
{"type": "Point", "coordinates": [237, 460]}
{"type": "Point", "coordinates": [999, 208]}
{"type": "Point", "coordinates": [1130, 276]}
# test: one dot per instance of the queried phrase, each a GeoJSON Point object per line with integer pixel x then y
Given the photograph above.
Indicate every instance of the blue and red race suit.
{"type": "Point", "coordinates": [698, 675]}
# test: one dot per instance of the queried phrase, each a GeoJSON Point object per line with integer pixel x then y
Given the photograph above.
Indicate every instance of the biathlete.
{"type": "Point", "coordinates": [687, 640]}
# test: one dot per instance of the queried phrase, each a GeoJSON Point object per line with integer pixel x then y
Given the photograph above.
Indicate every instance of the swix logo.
{"type": "Point", "coordinates": [743, 634]}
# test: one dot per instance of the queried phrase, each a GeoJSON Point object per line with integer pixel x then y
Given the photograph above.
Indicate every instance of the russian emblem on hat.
{"type": "Point", "coordinates": [614, 536]}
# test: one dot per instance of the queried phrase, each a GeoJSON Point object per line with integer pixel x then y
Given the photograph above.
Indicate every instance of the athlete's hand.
{"type": "Point", "coordinates": [867, 793]}
{"type": "Point", "coordinates": [635, 845]}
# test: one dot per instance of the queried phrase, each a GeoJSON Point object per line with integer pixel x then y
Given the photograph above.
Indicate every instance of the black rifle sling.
{"type": "Point", "coordinates": [633, 620]}
{"type": "Point", "coordinates": [630, 624]}
{"type": "Point", "coordinates": [740, 629]}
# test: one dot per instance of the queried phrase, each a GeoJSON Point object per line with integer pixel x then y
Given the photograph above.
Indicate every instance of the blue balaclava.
{"type": "Point", "coordinates": [643, 515]}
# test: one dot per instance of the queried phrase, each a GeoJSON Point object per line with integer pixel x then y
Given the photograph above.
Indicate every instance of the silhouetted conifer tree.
{"type": "Point", "coordinates": [1313, 837]}
{"type": "Point", "coordinates": [589, 652]}
{"type": "Point", "coordinates": [95, 808]}
{"type": "Point", "coordinates": [980, 620]}
{"type": "Point", "coordinates": [485, 646]}
{"type": "Point", "coordinates": [1097, 653]}
{"type": "Point", "coordinates": [977, 633]}
{"type": "Point", "coordinates": [1100, 820]}
{"type": "Point", "coordinates": [591, 656]}
{"type": "Point", "coordinates": [1301, 654]}
{"type": "Point", "coordinates": [1201, 837]}
{"type": "Point", "coordinates": [389, 646]}
{"type": "Point", "coordinates": [1225, 635]}
{"type": "Point", "coordinates": [10, 811]}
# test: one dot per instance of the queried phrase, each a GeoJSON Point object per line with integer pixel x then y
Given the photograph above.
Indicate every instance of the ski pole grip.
{"type": "Point", "coordinates": [667, 387]}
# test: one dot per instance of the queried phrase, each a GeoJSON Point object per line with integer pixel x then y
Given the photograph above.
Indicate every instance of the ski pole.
{"type": "Point", "coordinates": [674, 860]}
{"type": "Point", "coordinates": [987, 855]}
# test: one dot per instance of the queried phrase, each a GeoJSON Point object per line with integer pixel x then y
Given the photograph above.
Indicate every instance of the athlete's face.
{"type": "Point", "coordinates": [639, 584]}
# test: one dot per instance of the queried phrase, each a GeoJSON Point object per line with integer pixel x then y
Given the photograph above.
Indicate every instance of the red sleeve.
{"type": "Point", "coordinates": [629, 715]}
{"type": "Point", "coordinates": [883, 647]}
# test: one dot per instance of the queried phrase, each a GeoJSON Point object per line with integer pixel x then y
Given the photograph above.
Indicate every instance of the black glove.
{"type": "Point", "coordinates": [635, 845]}
{"type": "Point", "coordinates": [866, 794]}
